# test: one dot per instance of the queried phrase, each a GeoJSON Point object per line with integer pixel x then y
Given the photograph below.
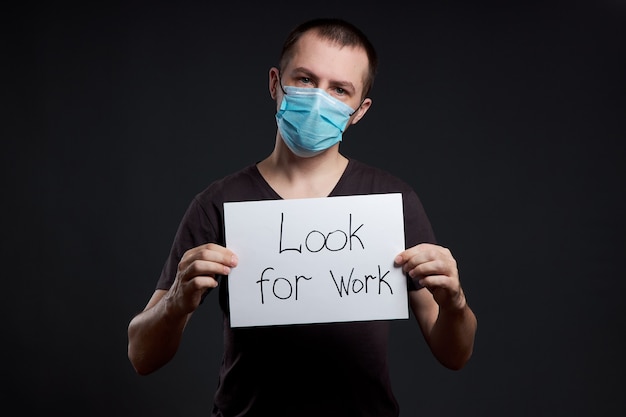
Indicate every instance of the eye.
{"type": "Point", "coordinates": [340, 91]}
{"type": "Point", "coordinates": [305, 80]}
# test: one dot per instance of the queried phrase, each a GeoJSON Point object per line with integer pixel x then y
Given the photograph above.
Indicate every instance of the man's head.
{"type": "Point", "coordinates": [340, 33]}
{"type": "Point", "coordinates": [327, 68]}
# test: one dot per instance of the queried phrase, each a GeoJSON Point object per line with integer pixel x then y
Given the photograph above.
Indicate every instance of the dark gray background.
{"type": "Point", "coordinates": [506, 117]}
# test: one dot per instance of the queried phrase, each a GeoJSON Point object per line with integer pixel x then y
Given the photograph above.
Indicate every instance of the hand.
{"type": "Point", "coordinates": [436, 269]}
{"type": "Point", "coordinates": [196, 273]}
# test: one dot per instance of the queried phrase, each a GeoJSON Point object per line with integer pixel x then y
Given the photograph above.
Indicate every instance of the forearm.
{"type": "Point", "coordinates": [154, 336]}
{"type": "Point", "coordinates": [451, 338]}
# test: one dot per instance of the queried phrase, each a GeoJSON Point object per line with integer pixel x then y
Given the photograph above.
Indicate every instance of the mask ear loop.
{"type": "Point", "coordinates": [280, 82]}
{"type": "Point", "coordinates": [357, 109]}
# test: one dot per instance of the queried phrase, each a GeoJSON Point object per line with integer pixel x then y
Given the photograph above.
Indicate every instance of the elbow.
{"type": "Point", "coordinates": [139, 362]}
{"type": "Point", "coordinates": [456, 362]}
{"type": "Point", "coordinates": [144, 360]}
{"type": "Point", "coordinates": [454, 366]}
{"type": "Point", "coordinates": [141, 372]}
{"type": "Point", "coordinates": [140, 367]}
{"type": "Point", "coordinates": [137, 365]}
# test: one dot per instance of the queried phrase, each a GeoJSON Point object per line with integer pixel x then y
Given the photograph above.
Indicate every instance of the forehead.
{"type": "Point", "coordinates": [329, 60]}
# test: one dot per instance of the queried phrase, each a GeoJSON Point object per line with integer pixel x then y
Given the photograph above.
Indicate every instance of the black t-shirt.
{"type": "Point", "coordinates": [329, 369]}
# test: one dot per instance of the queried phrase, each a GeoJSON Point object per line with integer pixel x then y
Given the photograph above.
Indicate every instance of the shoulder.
{"type": "Point", "coordinates": [241, 185]}
{"type": "Point", "coordinates": [361, 177]}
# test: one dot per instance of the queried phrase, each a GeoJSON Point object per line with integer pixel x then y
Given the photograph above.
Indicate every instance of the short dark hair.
{"type": "Point", "coordinates": [339, 31]}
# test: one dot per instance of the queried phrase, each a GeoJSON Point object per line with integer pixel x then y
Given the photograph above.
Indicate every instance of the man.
{"type": "Point", "coordinates": [327, 67]}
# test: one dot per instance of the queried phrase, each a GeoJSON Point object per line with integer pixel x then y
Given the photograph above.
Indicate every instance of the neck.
{"type": "Point", "coordinates": [294, 177]}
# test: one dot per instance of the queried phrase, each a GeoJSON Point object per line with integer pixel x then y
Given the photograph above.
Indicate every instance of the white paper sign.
{"type": "Point", "coordinates": [316, 260]}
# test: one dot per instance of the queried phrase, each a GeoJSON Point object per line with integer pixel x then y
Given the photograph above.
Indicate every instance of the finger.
{"type": "Point", "coordinates": [433, 267]}
{"type": "Point", "coordinates": [229, 257]}
{"type": "Point", "coordinates": [202, 267]}
{"type": "Point", "coordinates": [446, 292]}
{"type": "Point", "coordinates": [409, 258]}
{"type": "Point", "coordinates": [210, 252]}
{"type": "Point", "coordinates": [204, 282]}
{"type": "Point", "coordinates": [420, 253]}
{"type": "Point", "coordinates": [434, 281]}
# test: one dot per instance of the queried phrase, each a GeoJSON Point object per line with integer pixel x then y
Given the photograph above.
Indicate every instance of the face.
{"type": "Point", "coordinates": [318, 63]}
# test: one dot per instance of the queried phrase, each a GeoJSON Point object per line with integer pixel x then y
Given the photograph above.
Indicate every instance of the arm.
{"type": "Point", "coordinates": [445, 318]}
{"type": "Point", "coordinates": [154, 335]}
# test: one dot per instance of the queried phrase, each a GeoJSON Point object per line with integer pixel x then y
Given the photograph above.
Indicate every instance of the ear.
{"type": "Point", "coordinates": [273, 82]}
{"type": "Point", "coordinates": [360, 112]}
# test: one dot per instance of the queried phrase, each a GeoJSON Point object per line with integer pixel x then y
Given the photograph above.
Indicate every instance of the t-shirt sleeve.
{"type": "Point", "coordinates": [195, 229]}
{"type": "Point", "coordinates": [417, 227]}
{"type": "Point", "coordinates": [416, 223]}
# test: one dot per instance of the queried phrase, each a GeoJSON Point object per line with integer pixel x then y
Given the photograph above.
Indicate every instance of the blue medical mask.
{"type": "Point", "coordinates": [310, 120]}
